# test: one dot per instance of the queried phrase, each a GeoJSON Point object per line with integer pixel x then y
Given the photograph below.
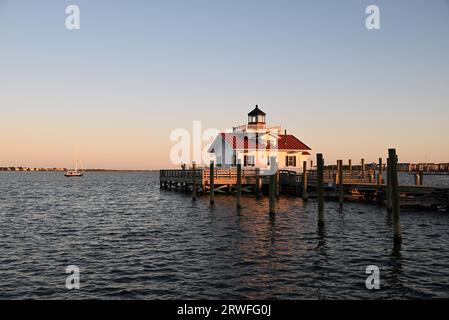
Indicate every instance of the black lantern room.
{"type": "Point", "coordinates": [256, 116]}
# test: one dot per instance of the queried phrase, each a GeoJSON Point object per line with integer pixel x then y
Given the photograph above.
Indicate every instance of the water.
{"type": "Point", "coordinates": [132, 240]}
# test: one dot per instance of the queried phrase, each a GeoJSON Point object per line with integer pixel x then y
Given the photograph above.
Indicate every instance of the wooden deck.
{"type": "Point", "coordinates": [225, 180]}
{"type": "Point", "coordinates": [357, 185]}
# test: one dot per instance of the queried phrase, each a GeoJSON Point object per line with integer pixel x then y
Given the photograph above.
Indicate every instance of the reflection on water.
{"type": "Point", "coordinates": [396, 264]}
{"type": "Point", "coordinates": [133, 240]}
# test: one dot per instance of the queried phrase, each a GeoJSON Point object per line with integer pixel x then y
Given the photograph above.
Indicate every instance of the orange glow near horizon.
{"type": "Point", "coordinates": [117, 90]}
{"type": "Point", "coordinates": [122, 141]}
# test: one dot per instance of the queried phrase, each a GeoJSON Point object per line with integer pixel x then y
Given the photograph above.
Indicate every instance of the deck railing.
{"type": "Point", "coordinates": [203, 174]}
{"type": "Point", "coordinates": [180, 173]}
{"type": "Point", "coordinates": [329, 176]}
{"type": "Point", "coordinates": [229, 175]}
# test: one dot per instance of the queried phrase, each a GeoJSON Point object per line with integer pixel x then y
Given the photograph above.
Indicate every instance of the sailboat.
{"type": "Point", "coordinates": [76, 172]}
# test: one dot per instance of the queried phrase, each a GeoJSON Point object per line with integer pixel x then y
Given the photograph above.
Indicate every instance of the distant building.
{"type": "Point", "coordinates": [404, 167]}
{"type": "Point", "coordinates": [253, 144]}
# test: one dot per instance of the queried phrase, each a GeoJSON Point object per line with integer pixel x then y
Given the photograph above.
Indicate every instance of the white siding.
{"type": "Point", "coordinates": [261, 157]}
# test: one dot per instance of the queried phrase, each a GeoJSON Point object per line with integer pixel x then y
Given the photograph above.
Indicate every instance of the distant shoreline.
{"type": "Point", "coordinates": [65, 169]}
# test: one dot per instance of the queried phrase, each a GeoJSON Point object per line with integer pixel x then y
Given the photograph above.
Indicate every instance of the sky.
{"type": "Point", "coordinates": [137, 70]}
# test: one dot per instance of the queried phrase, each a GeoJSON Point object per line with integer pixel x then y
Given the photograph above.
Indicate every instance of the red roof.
{"type": "Point", "coordinates": [245, 141]}
{"type": "Point", "coordinates": [290, 142]}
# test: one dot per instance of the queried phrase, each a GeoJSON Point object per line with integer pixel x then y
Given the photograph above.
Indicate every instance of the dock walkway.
{"type": "Point", "coordinates": [357, 185]}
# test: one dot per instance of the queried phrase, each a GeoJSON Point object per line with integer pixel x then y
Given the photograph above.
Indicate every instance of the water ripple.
{"type": "Point", "coordinates": [132, 240]}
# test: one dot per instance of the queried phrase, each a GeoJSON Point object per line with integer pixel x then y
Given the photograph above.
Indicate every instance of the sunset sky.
{"type": "Point", "coordinates": [136, 70]}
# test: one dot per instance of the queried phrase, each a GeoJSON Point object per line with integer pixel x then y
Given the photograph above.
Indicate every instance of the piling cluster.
{"type": "Point", "coordinates": [324, 181]}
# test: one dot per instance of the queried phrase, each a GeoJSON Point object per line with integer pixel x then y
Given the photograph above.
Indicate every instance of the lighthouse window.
{"type": "Point", "coordinates": [290, 161]}
{"type": "Point", "coordinates": [248, 161]}
{"type": "Point", "coordinates": [261, 118]}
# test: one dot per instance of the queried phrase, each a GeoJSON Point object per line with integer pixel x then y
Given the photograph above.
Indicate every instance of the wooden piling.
{"type": "Point", "coordinates": [340, 182]}
{"type": "Point", "coordinates": [257, 183]}
{"type": "Point", "coordinates": [211, 183]}
{"type": "Point", "coordinates": [395, 194]}
{"type": "Point", "coordinates": [350, 168]}
{"type": "Point", "coordinates": [379, 182]}
{"type": "Point", "coordinates": [417, 183]}
{"type": "Point", "coordinates": [388, 191]}
{"type": "Point", "coordinates": [278, 184]}
{"type": "Point", "coordinates": [363, 167]}
{"type": "Point", "coordinates": [272, 188]}
{"type": "Point", "coordinates": [421, 176]}
{"type": "Point", "coordinates": [336, 175]}
{"type": "Point", "coordinates": [320, 187]}
{"type": "Point", "coordinates": [184, 176]}
{"type": "Point", "coordinates": [193, 181]}
{"type": "Point", "coordinates": [239, 185]}
{"type": "Point", "coordinates": [379, 174]}
{"type": "Point", "coordinates": [305, 195]}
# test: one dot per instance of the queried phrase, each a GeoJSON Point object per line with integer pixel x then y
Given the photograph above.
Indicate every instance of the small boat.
{"type": "Point", "coordinates": [73, 173]}
{"type": "Point", "coordinates": [76, 172]}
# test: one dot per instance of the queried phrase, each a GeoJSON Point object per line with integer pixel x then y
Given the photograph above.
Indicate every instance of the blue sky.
{"type": "Point", "coordinates": [138, 69]}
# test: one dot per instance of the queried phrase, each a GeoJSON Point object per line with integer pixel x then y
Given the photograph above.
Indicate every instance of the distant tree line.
{"type": "Point", "coordinates": [30, 169]}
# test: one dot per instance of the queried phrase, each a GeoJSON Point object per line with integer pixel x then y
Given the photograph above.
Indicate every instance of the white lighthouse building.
{"type": "Point", "coordinates": [254, 144]}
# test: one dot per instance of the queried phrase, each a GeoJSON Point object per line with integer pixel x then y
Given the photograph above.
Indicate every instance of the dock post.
{"type": "Point", "coordinates": [379, 174]}
{"type": "Point", "coordinates": [350, 168]}
{"type": "Point", "coordinates": [305, 195]}
{"type": "Point", "coordinates": [193, 181]}
{"type": "Point", "coordinates": [340, 182]}
{"type": "Point", "coordinates": [337, 173]}
{"type": "Point", "coordinates": [421, 176]}
{"type": "Point", "coordinates": [395, 194]}
{"type": "Point", "coordinates": [211, 183]}
{"type": "Point", "coordinates": [278, 184]}
{"type": "Point", "coordinates": [239, 184]}
{"type": "Point", "coordinates": [388, 193]}
{"type": "Point", "coordinates": [379, 181]}
{"type": "Point", "coordinates": [417, 183]}
{"type": "Point", "coordinates": [320, 187]}
{"type": "Point", "coordinates": [184, 176]}
{"type": "Point", "coordinates": [256, 185]}
{"type": "Point", "coordinates": [272, 190]}
{"type": "Point", "coordinates": [363, 167]}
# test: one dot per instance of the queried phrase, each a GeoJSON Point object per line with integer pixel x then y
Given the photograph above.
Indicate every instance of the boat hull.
{"type": "Point", "coordinates": [73, 175]}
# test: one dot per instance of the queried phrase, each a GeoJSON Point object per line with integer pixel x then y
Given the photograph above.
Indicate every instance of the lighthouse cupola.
{"type": "Point", "coordinates": [256, 119]}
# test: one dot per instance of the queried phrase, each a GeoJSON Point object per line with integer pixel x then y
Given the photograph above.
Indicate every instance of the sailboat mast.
{"type": "Point", "coordinates": [76, 162]}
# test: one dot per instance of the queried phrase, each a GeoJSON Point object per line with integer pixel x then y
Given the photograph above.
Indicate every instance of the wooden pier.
{"type": "Point", "coordinates": [346, 184]}
{"type": "Point", "coordinates": [224, 180]}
